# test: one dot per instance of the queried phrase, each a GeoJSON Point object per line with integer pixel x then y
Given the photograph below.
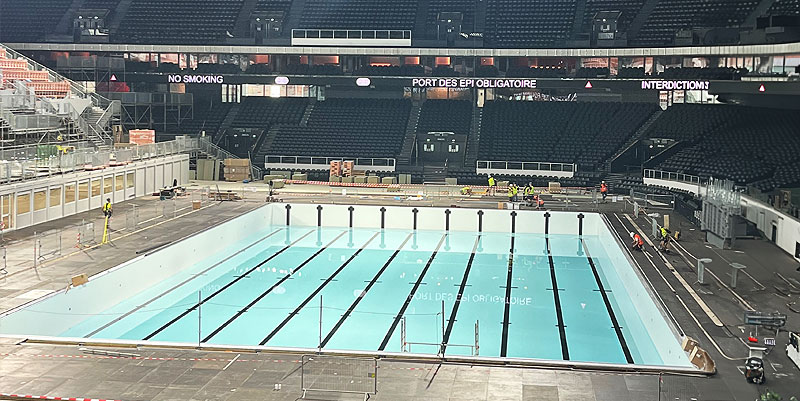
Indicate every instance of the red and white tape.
{"type": "Point", "coordinates": [46, 397]}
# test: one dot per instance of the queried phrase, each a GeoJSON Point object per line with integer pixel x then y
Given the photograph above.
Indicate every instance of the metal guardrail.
{"type": "Point", "coordinates": [531, 166]}
{"type": "Point", "coordinates": [325, 161]}
{"type": "Point", "coordinates": [671, 176]}
{"type": "Point", "coordinates": [202, 144]}
{"type": "Point", "coordinates": [351, 34]}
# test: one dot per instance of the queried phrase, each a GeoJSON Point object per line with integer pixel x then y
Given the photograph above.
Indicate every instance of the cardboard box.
{"type": "Point", "coordinates": [79, 279]}
{"type": "Point", "coordinates": [142, 136]}
{"type": "Point", "coordinates": [237, 162]}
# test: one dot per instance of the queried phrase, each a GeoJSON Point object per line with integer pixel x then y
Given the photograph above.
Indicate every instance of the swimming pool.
{"type": "Point", "coordinates": [379, 280]}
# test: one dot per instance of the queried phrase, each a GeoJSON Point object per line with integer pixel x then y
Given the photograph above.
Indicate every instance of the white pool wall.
{"type": "Point", "coordinates": [128, 279]}
{"type": "Point", "coordinates": [56, 313]}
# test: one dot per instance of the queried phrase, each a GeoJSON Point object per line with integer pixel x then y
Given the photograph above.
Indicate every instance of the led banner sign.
{"type": "Point", "coordinates": [675, 85]}
{"type": "Point", "coordinates": [473, 83]}
{"type": "Point", "coordinates": [195, 79]}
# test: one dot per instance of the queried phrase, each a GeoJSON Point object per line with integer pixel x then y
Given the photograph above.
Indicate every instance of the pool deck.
{"type": "Point", "coordinates": [168, 374]}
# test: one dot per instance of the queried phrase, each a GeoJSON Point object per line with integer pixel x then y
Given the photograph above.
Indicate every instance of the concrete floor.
{"type": "Point", "coordinates": [167, 374]}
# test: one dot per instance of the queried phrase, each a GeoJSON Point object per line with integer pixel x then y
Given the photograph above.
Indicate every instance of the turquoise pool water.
{"type": "Point", "coordinates": [556, 297]}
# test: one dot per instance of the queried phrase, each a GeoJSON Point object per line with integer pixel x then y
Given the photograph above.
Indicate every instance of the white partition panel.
{"type": "Point", "coordinates": [336, 216]}
{"type": "Point", "coordinates": [159, 176]}
{"type": "Point", "coordinates": [367, 217]}
{"type": "Point", "coordinates": [150, 180]}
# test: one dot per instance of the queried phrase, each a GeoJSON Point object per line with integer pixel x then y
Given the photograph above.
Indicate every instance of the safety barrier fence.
{"type": "Point", "coordinates": [34, 162]}
{"type": "Point", "coordinates": [34, 251]}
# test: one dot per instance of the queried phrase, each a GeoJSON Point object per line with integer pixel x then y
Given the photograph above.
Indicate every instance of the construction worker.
{"type": "Point", "coordinates": [528, 193]}
{"type": "Point", "coordinates": [540, 203]}
{"type": "Point", "coordinates": [637, 241]}
{"type": "Point", "coordinates": [603, 190]}
{"type": "Point", "coordinates": [107, 210]}
{"type": "Point", "coordinates": [665, 239]}
{"type": "Point", "coordinates": [511, 192]}
{"type": "Point", "coordinates": [516, 191]}
{"type": "Point", "coordinates": [492, 185]}
{"type": "Point", "coordinates": [466, 191]}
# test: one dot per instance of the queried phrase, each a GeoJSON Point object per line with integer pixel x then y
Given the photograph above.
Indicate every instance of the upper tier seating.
{"type": "Point", "coordinates": [629, 9]}
{"type": "Point", "coordinates": [671, 15]}
{"type": "Point", "coordinates": [744, 144]}
{"type": "Point", "coordinates": [263, 112]}
{"type": "Point", "coordinates": [785, 7]}
{"type": "Point", "coordinates": [347, 128]}
{"type": "Point", "coordinates": [273, 5]}
{"type": "Point", "coordinates": [726, 73]}
{"type": "Point", "coordinates": [392, 70]}
{"type": "Point", "coordinates": [536, 72]}
{"type": "Point", "coordinates": [465, 7]}
{"type": "Point", "coordinates": [359, 14]}
{"type": "Point", "coordinates": [179, 21]}
{"type": "Point", "coordinates": [29, 20]}
{"type": "Point", "coordinates": [445, 116]}
{"type": "Point", "coordinates": [528, 23]}
{"type": "Point", "coordinates": [566, 132]}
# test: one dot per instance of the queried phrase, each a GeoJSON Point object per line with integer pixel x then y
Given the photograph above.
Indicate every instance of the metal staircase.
{"type": "Point", "coordinates": [404, 158]}
{"type": "Point", "coordinates": [633, 140]}
{"type": "Point", "coordinates": [307, 113]}
{"type": "Point", "coordinates": [473, 141]}
{"type": "Point", "coordinates": [226, 124]}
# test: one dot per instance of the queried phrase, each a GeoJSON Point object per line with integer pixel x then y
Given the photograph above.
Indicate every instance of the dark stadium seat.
{"type": "Point", "coordinates": [465, 7]}
{"type": "Point", "coordinates": [528, 23]}
{"type": "Point", "coordinates": [359, 14]}
{"type": "Point", "coordinates": [670, 16]}
{"type": "Point", "coordinates": [29, 21]}
{"type": "Point", "coordinates": [446, 116]}
{"type": "Point", "coordinates": [724, 73]}
{"type": "Point", "coordinates": [785, 7]}
{"type": "Point", "coordinates": [263, 112]}
{"type": "Point", "coordinates": [347, 128]}
{"type": "Point", "coordinates": [585, 133]}
{"type": "Point", "coordinates": [178, 21]}
{"type": "Point", "coordinates": [628, 8]}
{"type": "Point", "coordinates": [631, 72]}
{"type": "Point", "coordinates": [206, 118]}
{"type": "Point", "coordinates": [744, 144]}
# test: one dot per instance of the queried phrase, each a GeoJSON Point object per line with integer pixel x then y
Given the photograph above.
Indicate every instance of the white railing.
{"type": "Point", "coordinates": [202, 144]}
{"type": "Point", "coordinates": [323, 163]}
{"type": "Point", "coordinates": [356, 37]}
{"type": "Point", "coordinates": [550, 169]}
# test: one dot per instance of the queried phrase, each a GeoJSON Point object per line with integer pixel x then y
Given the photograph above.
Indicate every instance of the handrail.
{"type": "Point", "coordinates": [673, 176]}
{"type": "Point", "coordinates": [208, 147]}
{"type": "Point", "coordinates": [518, 165]}
{"type": "Point", "coordinates": [325, 160]}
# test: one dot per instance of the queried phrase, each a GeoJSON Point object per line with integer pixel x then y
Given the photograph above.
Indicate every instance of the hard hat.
{"type": "Point", "coordinates": [631, 234]}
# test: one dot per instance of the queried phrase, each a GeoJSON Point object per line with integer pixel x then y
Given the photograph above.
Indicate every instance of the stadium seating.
{"type": "Point", "coordinates": [207, 118]}
{"type": "Point", "coordinates": [528, 23]}
{"type": "Point", "coordinates": [465, 7]}
{"type": "Point", "coordinates": [347, 128]}
{"type": "Point", "coordinates": [273, 5]}
{"type": "Point", "coordinates": [629, 9]}
{"type": "Point", "coordinates": [29, 21]}
{"type": "Point", "coordinates": [631, 72]}
{"type": "Point", "coordinates": [567, 132]}
{"type": "Point", "coordinates": [785, 7]}
{"type": "Point", "coordinates": [670, 16]}
{"type": "Point", "coordinates": [726, 73]}
{"type": "Point", "coordinates": [744, 144]}
{"type": "Point", "coordinates": [178, 21]}
{"type": "Point", "coordinates": [445, 115]}
{"type": "Point", "coordinates": [359, 14]}
{"type": "Point", "coordinates": [263, 112]}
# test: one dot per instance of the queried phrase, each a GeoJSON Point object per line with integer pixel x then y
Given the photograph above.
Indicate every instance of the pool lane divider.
{"type": "Point", "coordinates": [507, 299]}
{"type": "Point", "coordinates": [461, 287]}
{"type": "Point", "coordinates": [226, 286]}
{"type": "Point", "coordinates": [272, 287]}
{"type": "Point", "coordinates": [614, 322]}
{"type": "Point", "coordinates": [138, 307]}
{"type": "Point", "coordinates": [557, 299]}
{"type": "Point", "coordinates": [364, 292]}
{"type": "Point", "coordinates": [410, 295]}
{"type": "Point", "coordinates": [317, 291]}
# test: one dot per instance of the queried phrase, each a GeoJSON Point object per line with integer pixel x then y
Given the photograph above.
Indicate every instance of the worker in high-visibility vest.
{"type": "Point", "coordinates": [603, 190]}
{"type": "Point", "coordinates": [107, 210]}
{"type": "Point", "coordinates": [492, 185]}
{"type": "Point", "coordinates": [638, 242]}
